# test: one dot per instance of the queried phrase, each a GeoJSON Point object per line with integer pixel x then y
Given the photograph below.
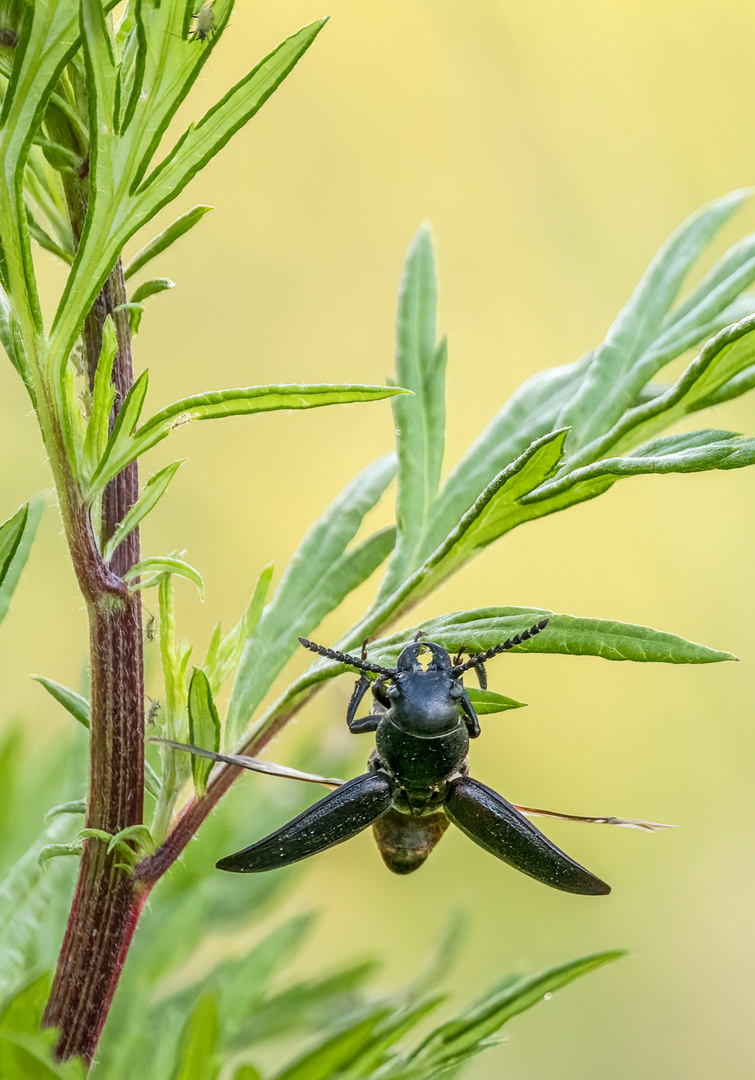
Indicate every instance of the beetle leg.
{"type": "Point", "coordinates": [499, 828]}
{"type": "Point", "coordinates": [339, 816]}
{"type": "Point", "coordinates": [470, 716]}
{"type": "Point", "coordinates": [360, 689]}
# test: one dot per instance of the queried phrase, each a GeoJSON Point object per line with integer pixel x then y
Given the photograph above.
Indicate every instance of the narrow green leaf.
{"type": "Point", "coordinates": [199, 1043]}
{"type": "Point", "coordinates": [223, 656]}
{"type": "Point", "coordinates": [16, 538]}
{"type": "Point", "coordinates": [420, 420]}
{"type": "Point", "coordinates": [459, 1039]}
{"type": "Point", "coordinates": [569, 635]}
{"type": "Point", "coordinates": [163, 240]}
{"type": "Point", "coordinates": [486, 701]}
{"type": "Point", "coordinates": [204, 727]}
{"type": "Point", "coordinates": [321, 572]}
{"type": "Point", "coordinates": [151, 288]}
{"type": "Point", "coordinates": [48, 38]}
{"type": "Point", "coordinates": [529, 414]}
{"type": "Point", "coordinates": [72, 702]}
{"type": "Point", "coordinates": [245, 401]}
{"type": "Point", "coordinates": [103, 396]}
{"type": "Point", "coordinates": [118, 452]}
{"type": "Point", "coordinates": [154, 490]}
{"type": "Point", "coordinates": [335, 1053]}
{"type": "Point", "coordinates": [200, 143]}
{"type": "Point", "coordinates": [616, 374]}
{"type": "Point", "coordinates": [497, 510]}
{"type": "Point", "coordinates": [698, 451]}
{"type": "Point", "coordinates": [156, 567]}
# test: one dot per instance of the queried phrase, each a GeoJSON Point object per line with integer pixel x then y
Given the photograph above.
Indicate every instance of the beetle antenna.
{"type": "Point", "coordinates": [345, 658]}
{"type": "Point", "coordinates": [480, 658]}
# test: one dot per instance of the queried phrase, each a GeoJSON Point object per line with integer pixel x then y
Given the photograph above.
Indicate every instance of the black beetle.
{"type": "Point", "coordinates": [418, 779]}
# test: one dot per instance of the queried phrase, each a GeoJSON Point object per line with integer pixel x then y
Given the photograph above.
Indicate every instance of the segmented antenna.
{"type": "Point", "coordinates": [480, 658]}
{"type": "Point", "coordinates": [344, 658]}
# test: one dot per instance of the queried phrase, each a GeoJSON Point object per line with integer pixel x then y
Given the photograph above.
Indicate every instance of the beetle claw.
{"type": "Point", "coordinates": [494, 824]}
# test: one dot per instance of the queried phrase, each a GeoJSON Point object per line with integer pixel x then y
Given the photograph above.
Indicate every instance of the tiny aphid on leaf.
{"type": "Point", "coordinates": [204, 23]}
{"type": "Point", "coordinates": [418, 780]}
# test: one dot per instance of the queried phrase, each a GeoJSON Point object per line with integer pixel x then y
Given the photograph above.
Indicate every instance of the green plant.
{"type": "Point", "coordinates": [86, 103]}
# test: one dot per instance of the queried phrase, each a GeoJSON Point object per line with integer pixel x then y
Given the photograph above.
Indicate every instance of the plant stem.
{"type": "Point", "coordinates": [107, 900]}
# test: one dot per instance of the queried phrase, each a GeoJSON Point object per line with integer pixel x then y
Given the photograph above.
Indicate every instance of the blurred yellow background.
{"type": "Point", "coordinates": [553, 147]}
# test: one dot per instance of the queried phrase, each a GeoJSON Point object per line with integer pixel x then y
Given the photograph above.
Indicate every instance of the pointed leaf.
{"type": "Point", "coordinates": [200, 143]}
{"type": "Point", "coordinates": [321, 572]}
{"type": "Point", "coordinates": [570, 635]}
{"type": "Point", "coordinates": [495, 512]}
{"type": "Point", "coordinates": [616, 374]}
{"type": "Point", "coordinates": [335, 1053]}
{"type": "Point", "coordinates": [103, 396]}
{"type": "Point", "coordinates": [529, 414]}
{"type": "Point", "coordinates": [151, 288]}
{"type": "Point", "coordinates": [244, 401]}
{"type": "Point", "coordinates": [154, 490]}
{"type": "Point", "coordinates": [155, 567]}
{"type": "Point", "coordinates": [204, 727]}
{"type": "Point", "coordinates": [458, 1039]}
{"type": "Point", "coordinates": [486, 701]}
{"type": "Point", "coordinates": [118, 452]}
{"type": "Point", "coordinates": [16, 538]}
{"type": "Point", "coordinates": [164, 239]}
{"type": "Point", "coordinates": [420, 420]}
{"type": "Point", "coordinates": [72, 702]}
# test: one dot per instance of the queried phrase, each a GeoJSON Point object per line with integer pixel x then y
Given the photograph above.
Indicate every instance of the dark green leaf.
{"type": "Point", "coordinates": [204, 727]}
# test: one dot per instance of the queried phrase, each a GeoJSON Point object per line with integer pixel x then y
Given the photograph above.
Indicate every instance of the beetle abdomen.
{"type": "Point", "coordinates": [405, 840]}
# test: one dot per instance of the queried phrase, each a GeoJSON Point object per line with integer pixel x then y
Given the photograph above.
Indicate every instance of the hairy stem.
{"type": "Point", "coordinates": [107, 900]}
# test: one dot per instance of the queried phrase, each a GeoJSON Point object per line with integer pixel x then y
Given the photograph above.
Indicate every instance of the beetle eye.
{"type": "Point", "coordinates": [456, 690]}
{"type": "Point", "coordinates": [392, 691]}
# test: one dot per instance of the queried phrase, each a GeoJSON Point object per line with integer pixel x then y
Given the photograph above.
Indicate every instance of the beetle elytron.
{"type": "Point", "coordinates": [417, 780]}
